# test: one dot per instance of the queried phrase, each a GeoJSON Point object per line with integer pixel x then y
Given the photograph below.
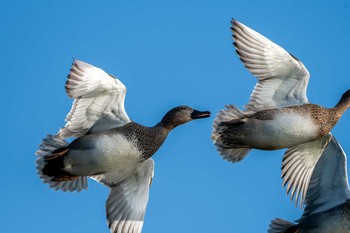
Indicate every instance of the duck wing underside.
{"type": "Point", "coordinates": [128, 197]}
{"type": "Point", "coordinates": [298, 166]}
{"type": "Point", "coordinates": [282, 78]}
{"type": "Point", "coordinates": [98, 101]}
{"type": "Point", "coordinates": [329, 185]}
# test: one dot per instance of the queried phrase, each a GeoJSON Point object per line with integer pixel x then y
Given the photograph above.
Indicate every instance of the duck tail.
{"type": "Point", "coordinates": [50, 165]}
{"type": "Point", "coordinates": [280, 225]}
{"type": "Point", "coordinates": [225, 118]}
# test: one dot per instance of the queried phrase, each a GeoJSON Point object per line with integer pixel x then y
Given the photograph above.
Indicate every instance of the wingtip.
{"type": "Point", "coordinates": [236, 28]}
{"type": "Point", "coordinates": [81, 64]}
{"type": "Point", "coordinates": [77, 62]}
{"type": "Point", "coordinates": [234, 22]}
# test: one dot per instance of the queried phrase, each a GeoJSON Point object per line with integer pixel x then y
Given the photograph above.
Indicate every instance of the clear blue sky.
{"type": "Point", "coordinates": [167, 53]}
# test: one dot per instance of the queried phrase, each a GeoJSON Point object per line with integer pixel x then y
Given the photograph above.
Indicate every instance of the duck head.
{"type": "Point", "coordinates": [346, 97]}
{"type": "Point", "coordinates": [344, 102]}
{"type": "Point", "coordinates": [180, 115]}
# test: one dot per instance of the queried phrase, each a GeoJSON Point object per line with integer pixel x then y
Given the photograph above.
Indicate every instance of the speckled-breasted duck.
{"type": "Point", "coordinates": [327, 203]}
{"type": "Point", "coordinates": [109, 147]}
{"type": "Point", "coordinates": [279, 114]}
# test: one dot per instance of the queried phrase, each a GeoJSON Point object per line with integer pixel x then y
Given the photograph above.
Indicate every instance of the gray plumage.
{"type": "Point", "coordinates": [278, 114]}
{"type": "Point", "coordinates": [327, 203]}
{"type": "Point", "coordinates": [108, 146]}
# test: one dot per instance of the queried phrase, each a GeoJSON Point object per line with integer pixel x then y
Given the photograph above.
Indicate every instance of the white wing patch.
{"type": "Point", "coordinates": [98, 101]}
{"type": "Point", "coordinates": [282, 78]}
{"type": "Point", "coordinates": [127, 201]}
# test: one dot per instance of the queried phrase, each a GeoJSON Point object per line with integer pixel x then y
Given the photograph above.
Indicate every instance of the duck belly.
{"type": "Point", "coordinates": [107, 153]}
{"type": "Point", "coordinates": [283, 131]}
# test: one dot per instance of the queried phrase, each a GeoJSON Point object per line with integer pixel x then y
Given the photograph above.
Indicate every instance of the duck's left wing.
{"type": "Point", "coordinates": [98, 101]}
{"type": "Point", "coordinates": [282, 78]}
{"type": "Point", "coordinates": [298, 165]}
{"type": "Point", "coordinates": [329, 185]}
{"type": "Point", "coordinates": [127, 200]}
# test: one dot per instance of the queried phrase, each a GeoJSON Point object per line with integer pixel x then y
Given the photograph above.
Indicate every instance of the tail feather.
{"type": "Point", "coordinates": [280, 225]}
{"type": "Point", "coordinates": [233, 155]}
{"type": "Point", "coordinates": [54, 164]}
{"type": "Point", "coordinates": [225, 118]}
{"type": "Point", "coordinates": [50, 166]}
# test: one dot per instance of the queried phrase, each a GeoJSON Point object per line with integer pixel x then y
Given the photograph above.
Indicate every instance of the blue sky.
{"type": "Point", "coordinates": [167, 53]}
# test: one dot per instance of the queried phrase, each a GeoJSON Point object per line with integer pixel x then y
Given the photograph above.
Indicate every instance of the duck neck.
{"type": "Point", "coordinates": [153, 138]}
{"type": "Point", "coordinates": [340, 108]}
{"type": "Point", "coordinates": [168, 126]}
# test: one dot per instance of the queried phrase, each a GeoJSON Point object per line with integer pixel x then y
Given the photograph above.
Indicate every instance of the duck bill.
{"type": "Point", "coordinates": [198, 114]}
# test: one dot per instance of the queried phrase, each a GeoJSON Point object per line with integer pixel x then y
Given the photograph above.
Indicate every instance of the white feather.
{"type": "Point", "coordinates": [127, 201]}
{"type": "Point", "coordinates": [98, 101]}
{"type": "Point", "coordinates": [298, 165]}
{"type": "Point", "coordinates": [282, 78]}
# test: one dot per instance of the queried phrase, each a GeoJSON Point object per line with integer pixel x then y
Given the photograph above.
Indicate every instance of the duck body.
{"type": "Point", "coordinates": [334, 220]}
{"type": "Point", "coordinates": [108, 147]}
{"type": "Point", "coordinates": [278, 128]}
{"type": "Point", "coordinates": [113, 149]}
{"type": "Point", "coordinates": [278, 114]}
{"type": "Point", "coordinates": [117, 150]}
{"type": "Point", "coordinates": [327, 203]}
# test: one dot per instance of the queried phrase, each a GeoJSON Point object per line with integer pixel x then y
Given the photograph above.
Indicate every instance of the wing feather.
{"type": "Point", "coordinates": [329, 185]}
{"type": "Point", "coordinates": [282, 79]}
{"type": "Point", "coordinates": [298, 165]}
{"type": "Point", "coordinates": [98, 101]}
{"type": "Point", "coordinates": [127, 200]}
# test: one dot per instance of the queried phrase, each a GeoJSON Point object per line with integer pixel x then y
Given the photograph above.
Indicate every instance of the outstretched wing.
{"type": "Point", "coordinates": [298, 165]}
{"type": "Point", "coordinates": [282, 78]}
{"type": "Point", "coordinates": [329, 185]}
{"type": "Point", "coordinates": [127, 201]}
{"type": "Point", "coordinates": [98, 101]}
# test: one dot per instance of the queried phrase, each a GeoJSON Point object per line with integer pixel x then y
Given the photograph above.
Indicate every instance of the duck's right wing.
{"type": "Point", "coordinates": [298, 166]}
{"type": "Point", "coordinates": [98, 101]}
{"type": "Point", "coordinates": [282, 78]}
{"type": "Point", "coordinates": [127, 200]}
{"type": "Point", "coordinates": [329, 185]}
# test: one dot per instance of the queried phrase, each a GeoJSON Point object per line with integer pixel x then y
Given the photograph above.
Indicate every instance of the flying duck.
{"type": "Point", "coordinates": [108, 146]}
{"type": "Point", "coordinates": [327, 203]}
{"type": "Point", "coordinates": [279, 114]}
